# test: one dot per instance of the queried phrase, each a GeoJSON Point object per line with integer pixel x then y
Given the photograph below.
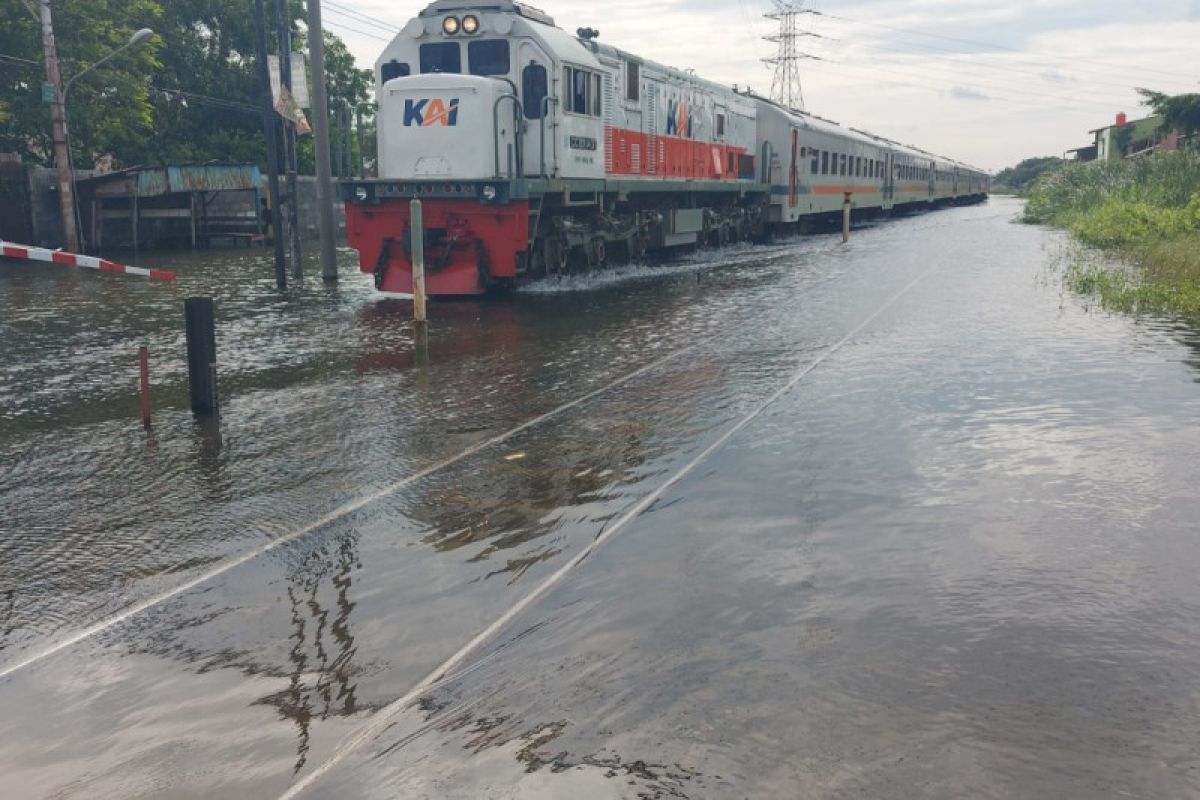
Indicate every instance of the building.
{"type": "Point", "coordinates": [1126, 139]}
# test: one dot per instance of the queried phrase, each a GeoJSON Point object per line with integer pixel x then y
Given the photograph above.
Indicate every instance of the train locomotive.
{"type": "Point", "coordinates": [535, 152]}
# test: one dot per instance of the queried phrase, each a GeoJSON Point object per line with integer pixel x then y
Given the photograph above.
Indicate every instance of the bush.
{"type": "Point", "coordinates": [1147, 212]}
{"type": "Point", "coordinates": [1119, 222]}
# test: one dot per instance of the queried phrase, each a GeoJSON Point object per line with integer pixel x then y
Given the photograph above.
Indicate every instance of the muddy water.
{"type": "Point", "coordinates": [956, 559]}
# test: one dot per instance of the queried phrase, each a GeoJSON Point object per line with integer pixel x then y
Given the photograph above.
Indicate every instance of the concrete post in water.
{"type": "Point", "coordinates": [144, 383]}
{"type": "Point", "coordinates": [284, 38]}
{"type": "Point", "coordinates": [269, 130]}
{"type": "Point", "coordinates": [416, 235]}
{"type": "Point", "coordinates": [199, 323]}
{"type": "Point", "coordinates": [320, 111]}
{"type": "Point", "coordinates": [846, 217]}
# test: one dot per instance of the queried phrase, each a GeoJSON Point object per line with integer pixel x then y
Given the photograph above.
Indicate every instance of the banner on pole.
{"type": "Point", "coordinates": [299, 80]}
{"type": "Point", "coordinates": [290, 110]}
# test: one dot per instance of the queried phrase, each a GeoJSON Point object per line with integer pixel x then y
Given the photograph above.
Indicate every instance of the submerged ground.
{"type": "Point", "coordinates": [956, 558]}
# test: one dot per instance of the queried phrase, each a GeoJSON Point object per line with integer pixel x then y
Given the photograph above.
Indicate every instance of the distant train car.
{"type": "Point", "coordinates": [535, 152]}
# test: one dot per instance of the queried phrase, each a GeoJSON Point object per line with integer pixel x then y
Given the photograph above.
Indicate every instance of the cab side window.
{"type": "Point", "coordinates": [632, 77]}
{"type": "Point", "coordinates": [533, 90]}
{"type": "Point", "coordinates": [581, 93]}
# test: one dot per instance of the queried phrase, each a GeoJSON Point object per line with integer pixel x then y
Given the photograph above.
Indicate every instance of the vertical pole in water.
{"type": "Point", "coordinates": [846, 217]}
{"type": "Point", "coordinates": [269, 131]}
{"type": "Point", "coordinates": [198, 321]}
{"type": "Point", "coordinates": [416, 234]}
{"type": "Point", "coordinates": [320, 111]}
{"type": "Point", "coordinates": [144, 383]}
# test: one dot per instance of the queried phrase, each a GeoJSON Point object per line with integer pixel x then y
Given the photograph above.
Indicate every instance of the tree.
{"type": "Point", "coordinates": [1179, 112]}
{"type": "Point", "coordinates": [108, 110]}
{"type": "Point", "coordinates": [1023, 174]}
{"type": "Point", "coordinates": [347, 87]}
{"type": "Point", "coordinates": [193, 94]}
{"type": "Point", "coordinates": [207, 95]}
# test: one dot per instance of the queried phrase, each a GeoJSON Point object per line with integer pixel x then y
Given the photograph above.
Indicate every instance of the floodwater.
{"type": "Point", "coordinates": [899, 518]}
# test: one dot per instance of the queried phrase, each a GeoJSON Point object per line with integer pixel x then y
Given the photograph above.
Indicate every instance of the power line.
{"type": "Point", "coordinates": [1072, 61]}
{"type": "Point", "coordinates": [1007, 68]}
{"type": "Point", "coordinates": [337, 8]}
{"type": "Point", "coordinates": [344, 27]}
{"type": "Point", "coordinates": [18, 60]}
{"type": "Point", "coordinates": [884, 77]}
{"type": "Point", "coordinates": [1006, 87]}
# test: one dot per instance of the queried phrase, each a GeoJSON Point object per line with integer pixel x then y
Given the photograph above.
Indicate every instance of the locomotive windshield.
{"type": "Point", "coordinates": [488, 57]}
{"type": "Point", "coordinates": [441, 57]}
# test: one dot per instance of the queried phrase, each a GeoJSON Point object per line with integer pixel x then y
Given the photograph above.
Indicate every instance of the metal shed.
{"type": "Point", "coordinates": [175, 205]}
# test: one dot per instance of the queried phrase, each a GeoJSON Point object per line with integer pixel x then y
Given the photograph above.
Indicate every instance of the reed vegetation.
{"type": "Point", "coordinates": [1146, 213]}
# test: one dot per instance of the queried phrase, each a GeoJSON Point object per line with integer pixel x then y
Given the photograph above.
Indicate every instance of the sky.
{"type": "Point", "coordinates": [983, 81]}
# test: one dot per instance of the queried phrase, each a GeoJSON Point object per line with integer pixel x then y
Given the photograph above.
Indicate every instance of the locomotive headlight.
{"type": "Point", "coordinates": [362, 194]}
{"type": "Point", "coordinates": [470, 23]}
{"type": "Point", "coordinates": [489, 192]}
{"type": "Point", "coordinates": [450, 25]}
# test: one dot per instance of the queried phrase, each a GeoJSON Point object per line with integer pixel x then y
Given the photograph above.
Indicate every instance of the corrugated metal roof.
{"type": "Point", "coordinates": [179, 178]}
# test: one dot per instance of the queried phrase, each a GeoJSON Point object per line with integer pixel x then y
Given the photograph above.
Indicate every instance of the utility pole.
{"type": "Point", "coordinates": [66, 193]}
{"type": "Point", "coordinates": [284, 24]}
{"type": "Point", "coordinates": [785, 84]}
{"type": "Point", "coordinates": [358, 129]}
{"type": "Point", "coordinates": [264, 75]}
{"type": "Point", "coordinates": [320, 109]}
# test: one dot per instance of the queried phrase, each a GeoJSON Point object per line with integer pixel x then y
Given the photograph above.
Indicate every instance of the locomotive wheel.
{"type": "Point", "coordinates": [637, 249]}
{"type": "Point", "coordinates": [554, 253]}
{"type": "Point", "coordinates": [597, 252]}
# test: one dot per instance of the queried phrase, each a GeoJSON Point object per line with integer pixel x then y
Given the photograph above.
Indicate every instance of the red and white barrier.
{"type": "Point", "coordinates": [72, 260]}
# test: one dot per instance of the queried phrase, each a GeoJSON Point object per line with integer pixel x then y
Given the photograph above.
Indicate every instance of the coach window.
{"type": "Point", "coordinates": [533, 90]}
{"type": "Point", "coordinates": [844, 164]}
{"type": "Point", "coordinates": [815, 166]}
{"type": "Point", "coordinates": [824, 162]}
{"type": "Point", "coordinates": [632, 77]}
{"type": "Point", "coordinates": [393, 69]}
{"type": "Point", "coordinates": [441, 57]}
{"type": "Point", "coordinates": [488, 57]}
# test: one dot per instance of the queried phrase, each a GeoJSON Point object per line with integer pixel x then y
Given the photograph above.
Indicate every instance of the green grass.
{"type": "Point", "coordinates": [1146, 213]}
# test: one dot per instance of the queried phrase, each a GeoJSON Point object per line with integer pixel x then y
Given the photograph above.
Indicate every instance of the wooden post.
{"type": "Point", "coordinates": [846, 217]}
{"type": "Point", "coordinates": [198, 320]}
{"type": "Point", "coordinates": [144, 383]}
{"type": "Point", "coordinates": [416, 233]}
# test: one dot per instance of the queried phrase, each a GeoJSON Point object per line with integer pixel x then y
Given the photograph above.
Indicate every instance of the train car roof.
{"type": "Point", "coordinates": [814, 122]}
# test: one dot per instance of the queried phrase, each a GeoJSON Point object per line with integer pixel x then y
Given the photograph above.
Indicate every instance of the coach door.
{"type": "Point", "coordinates": [794, 169]}
{"type": "Point", "coordinates": [540, 108]}
{"type": "Point", "coordinates": [889, 181]}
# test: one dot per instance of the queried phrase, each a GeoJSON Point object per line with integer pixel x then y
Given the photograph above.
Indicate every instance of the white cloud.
{"type": "Point", "coordinates": [1073, 63]}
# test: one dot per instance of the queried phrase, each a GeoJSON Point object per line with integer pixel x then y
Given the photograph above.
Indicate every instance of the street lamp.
{"type": "Point", "coordinates": [139, 38]}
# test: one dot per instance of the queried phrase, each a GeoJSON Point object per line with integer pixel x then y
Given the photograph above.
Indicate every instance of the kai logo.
{"type": "Point", "coordinates": [679, 119]}
{"type": "Point", "coordinates": [428, 112]}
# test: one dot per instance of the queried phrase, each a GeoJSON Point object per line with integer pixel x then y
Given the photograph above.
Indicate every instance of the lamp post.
{"type": "Point", "coordinates": [62, 147]}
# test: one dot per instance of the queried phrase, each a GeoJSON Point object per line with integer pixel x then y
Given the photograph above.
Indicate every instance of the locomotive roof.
{"type": "Point", "coordinates": [520, 9]}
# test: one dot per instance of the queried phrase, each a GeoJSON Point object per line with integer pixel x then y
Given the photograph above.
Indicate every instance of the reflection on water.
{"type": "Point", "coordinates": [321, 682]}
{"type": "Point", "coordinates": [984, 498]}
